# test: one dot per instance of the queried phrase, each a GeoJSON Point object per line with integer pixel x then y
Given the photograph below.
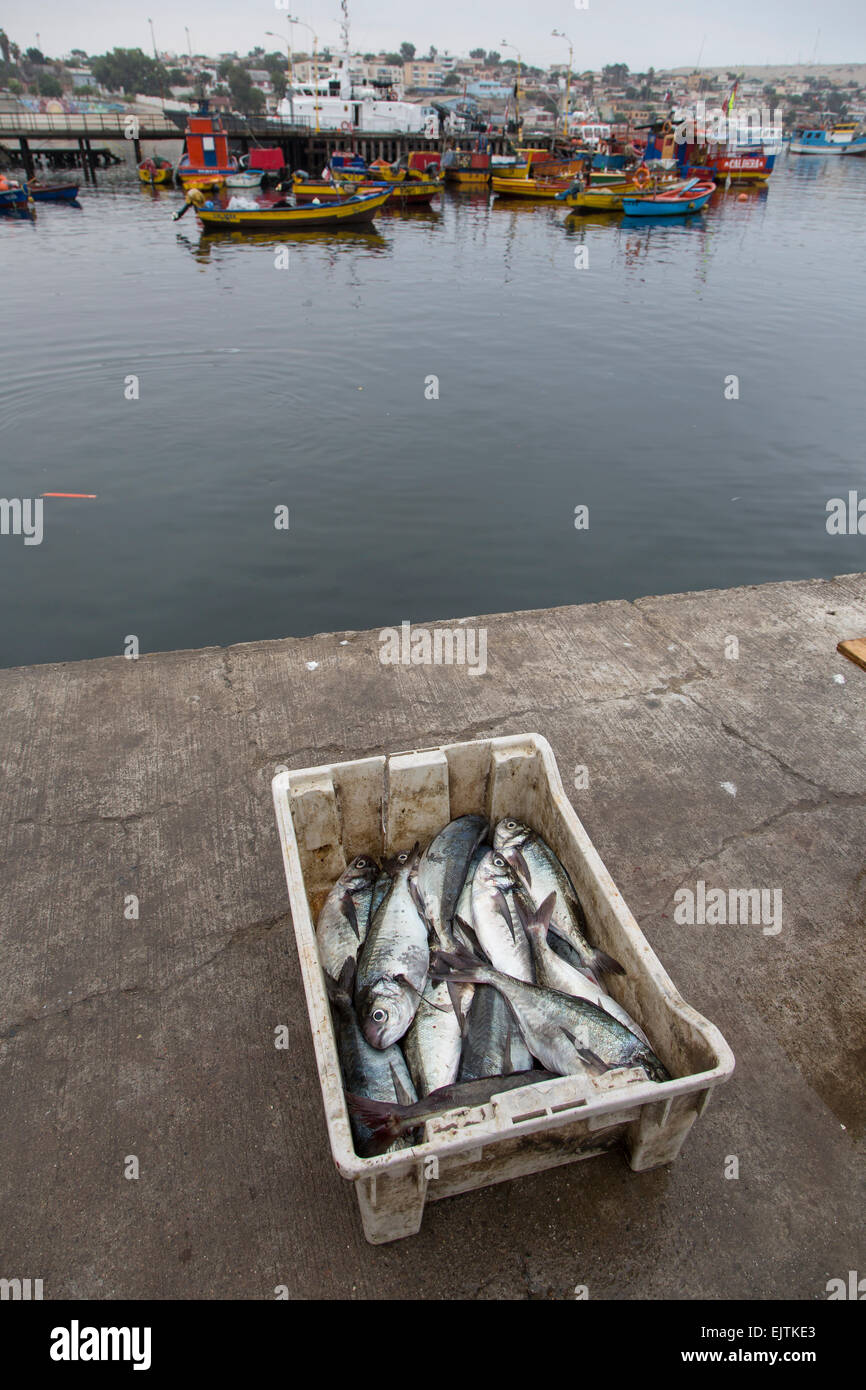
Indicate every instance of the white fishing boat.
{"type": "Point", "coordinates": [336, 103]}
{"type": "Point", "coordinates": [846, 137]}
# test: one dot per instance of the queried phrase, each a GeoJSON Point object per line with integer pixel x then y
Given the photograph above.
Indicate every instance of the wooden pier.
{"type": "Point", "coordinates": [302, 146]}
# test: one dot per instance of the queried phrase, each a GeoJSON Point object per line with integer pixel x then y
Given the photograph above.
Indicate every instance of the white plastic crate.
{"type": "Point", "coordinates": [327, 815]}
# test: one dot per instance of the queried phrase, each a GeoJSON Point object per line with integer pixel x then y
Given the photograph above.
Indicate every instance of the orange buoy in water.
{"type": "Point", "coordinates": [742, 197]}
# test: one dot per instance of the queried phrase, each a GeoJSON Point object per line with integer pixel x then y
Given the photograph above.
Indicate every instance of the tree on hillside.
{"type": "Point", "coordinates": [48, 85]}
{"type": "Point", "coordinates": [615, 74]}
{"type": "Point", "coordinates": [407, 52]}
{"type": "Point", "coordinates": [4, 45]}
{"type": "Point", "coordinates": [35, 55]}
{"type": "Point", "coordinates": [451, 80]}
{"type": "Point", "coordinates": [245, 96]}
{"type": "Point", "coordinates": [131, 71]}
{"type": "Point", "coordinates": [476, 53]}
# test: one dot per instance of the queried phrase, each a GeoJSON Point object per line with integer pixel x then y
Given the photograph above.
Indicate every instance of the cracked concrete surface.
{"type": "Point", "coordinates": [154, 1036]}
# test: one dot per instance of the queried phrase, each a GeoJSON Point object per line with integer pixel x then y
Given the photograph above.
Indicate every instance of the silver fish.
{"type": "Point", "coordinates": [464, 902]}
{"type": "Point", "coordinates": [566, 1035]}
{"type": "Point", "coordinates": [499, 933]}
{"type": "Point", "coordinates": [392, 966]}
{"type": "Point", "coordinates": [442, 872]}
{"type": "Point", "coordinates": [553, 972]}
{"type": "Point", "coordinates": [434, 1041]}
{"type": "Point", "coordinates": [542, 873]}
{"type": "Point", "coordinates": [345, 915]}
{"type": "Point", "coordinates": [380, 1075]}
{"type": "Point", "coordinates": [493, 1044]}
{"type": "Point", "coordinates": [392, 1122]}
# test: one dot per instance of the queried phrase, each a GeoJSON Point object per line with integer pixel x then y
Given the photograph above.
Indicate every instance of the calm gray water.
{"type": "Point", "coordinates": [305, 387]}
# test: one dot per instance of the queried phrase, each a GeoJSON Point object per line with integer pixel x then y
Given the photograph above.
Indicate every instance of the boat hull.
{"type": "Point", "coordinates": [664, 205]}
{"type": "Point", "coordinates": [156, 176]}
{"type": "Point", "coordinates": [14, 198]}
{"type": "Point", "coordinates": [535, 189]}
{"type": "Point", "coordinates": [468, 178]}
{"type": "Point", "coordinates": [55, 193]}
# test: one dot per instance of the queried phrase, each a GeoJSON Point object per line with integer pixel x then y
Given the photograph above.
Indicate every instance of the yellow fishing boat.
{"type": "Point", "coordinates": [537, 189]}
{"type": "Point", "coordinates": [155, 170]}
{"type": "Point", "coordinates": [359, 208]}
{"type": "Point", "coordinates": [465, 169]}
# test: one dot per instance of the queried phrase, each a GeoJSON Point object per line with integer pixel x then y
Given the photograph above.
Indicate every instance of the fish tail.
{"type": "Point", "coordinates": [653, 1066]}
{"type": "Point", "coordinates": [340, 990]}
{"type": "Point", "coordinates": [386, 1120]}
{"type": "Point", "coordinates": [459, 965]}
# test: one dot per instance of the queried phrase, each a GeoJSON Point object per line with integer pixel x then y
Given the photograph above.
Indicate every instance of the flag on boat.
{"type": "Point", "coordinates": [730, 103]}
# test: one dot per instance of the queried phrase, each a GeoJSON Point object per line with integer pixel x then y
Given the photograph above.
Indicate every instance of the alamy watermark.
{"type": "Point", "coordinates": [443, 646]}
{"type": "Point", "coordinates": [714, 907]}
{"type": "Point", "coordinates": [749, 125]}
{"type": "Point", "coordinates": [22, 516]}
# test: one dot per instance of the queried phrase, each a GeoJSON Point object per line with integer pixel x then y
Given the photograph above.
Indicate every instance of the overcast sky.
{"type": "Point", "coordinates": [669, 33]}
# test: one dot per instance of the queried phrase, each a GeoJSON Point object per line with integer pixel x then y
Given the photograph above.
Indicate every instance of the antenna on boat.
{"type": "Point", "coordinates": [344, 26]}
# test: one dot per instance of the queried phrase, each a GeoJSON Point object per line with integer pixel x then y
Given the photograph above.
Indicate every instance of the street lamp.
{"type": "Point", "coordinates": [303, 25]}
{"type": "Point", "coordinates": [291, 72]}
{"type": "Point", "coordinates": [558, 34]}
{"type": "Point", "coordinates": [506, 44]}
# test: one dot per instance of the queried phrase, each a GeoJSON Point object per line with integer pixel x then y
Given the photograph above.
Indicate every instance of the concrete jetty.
{"type": "Point", "coordinates": [724, 742]}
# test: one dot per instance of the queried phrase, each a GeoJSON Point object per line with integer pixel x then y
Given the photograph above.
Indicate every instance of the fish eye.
{"type": "Point", "coordinates": [511, 825]}
{"type": "Point", "coordinates": [379, 1015]}
{"type": "Point", "coordinates": [499, 861]}
{"type": "Point", "coordinates": [402, 858]}
{"type": "Point", "coordinates": [361, 863]}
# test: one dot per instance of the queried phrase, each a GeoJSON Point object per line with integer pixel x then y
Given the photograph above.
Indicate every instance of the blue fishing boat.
{"type": "Point", "coordinates": [53, 192]}
{"type": "Point", "coordinates": [846, 137]}
{"type": "Point", "coordinates": [688, 197]}
{"type": "Point", "coordinates": [13, 197]}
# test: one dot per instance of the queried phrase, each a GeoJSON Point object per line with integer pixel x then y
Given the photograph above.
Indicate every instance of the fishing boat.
{"type": "Point", "coordinates": [205, 162]}
{"type": "Point", "coordinates": [52, 192]}
{"type": "Point", "coordinates": [244, 178]}
{"type": "Point", "coordinates": [155, 170]}
{"type": "Point", "coordinates": [691, 196]}
{"type": "Point", "coordinates": [359, 208]}
{"type": "Point", "coordinates": [466, 169]}
{"type": "Point", "coordinates": [14, 196]}
{"type": "Point", "coordinates": [541, 190]}
{"type": "Point", "coordinates": [417, 192]}
{"type": "Point", "coordinates": [845, 137]}
{"type": "Point", "coordinates": [749, 166]}
{"type": "Point", "coordinates": [610, 198]}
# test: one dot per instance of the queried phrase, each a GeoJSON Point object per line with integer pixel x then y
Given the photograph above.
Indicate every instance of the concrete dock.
{"type": "Point", "coordinates": [738, 763]}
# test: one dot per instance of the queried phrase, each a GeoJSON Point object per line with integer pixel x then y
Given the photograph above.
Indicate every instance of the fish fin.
{"type": "Point", "coordinates": [347, 903]}
{"type": "Point", "coordinates": [418, 899]}
{"type": "Point", "coordinates": [400, 1091]}
{"type": "Point", "coordinates": [504, 911]}
{"type": "Point", "coordinates": [471, 937]}
{"type": "Point", "coordinates": [454, 996]}
{"type": "Point", "coordinates": [518, 864]}
{"type": "Point", "coordinates": [534, 917]}
{"type": "Point", "coordinates": [346, 977]}
{"type": "Point", "coordinates": [593, 1063]}
{"type": "Point", "coordinates": [419, 995]}
{"type": "Point", "coordinates": [605, 964]}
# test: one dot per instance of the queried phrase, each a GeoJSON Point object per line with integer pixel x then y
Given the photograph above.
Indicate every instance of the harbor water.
{"type": "Point", "coordinates": [426, 404]}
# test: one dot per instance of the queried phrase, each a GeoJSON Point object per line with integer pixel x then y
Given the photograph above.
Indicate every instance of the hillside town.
{"type": "Point", "coordinates": [485, 89]}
